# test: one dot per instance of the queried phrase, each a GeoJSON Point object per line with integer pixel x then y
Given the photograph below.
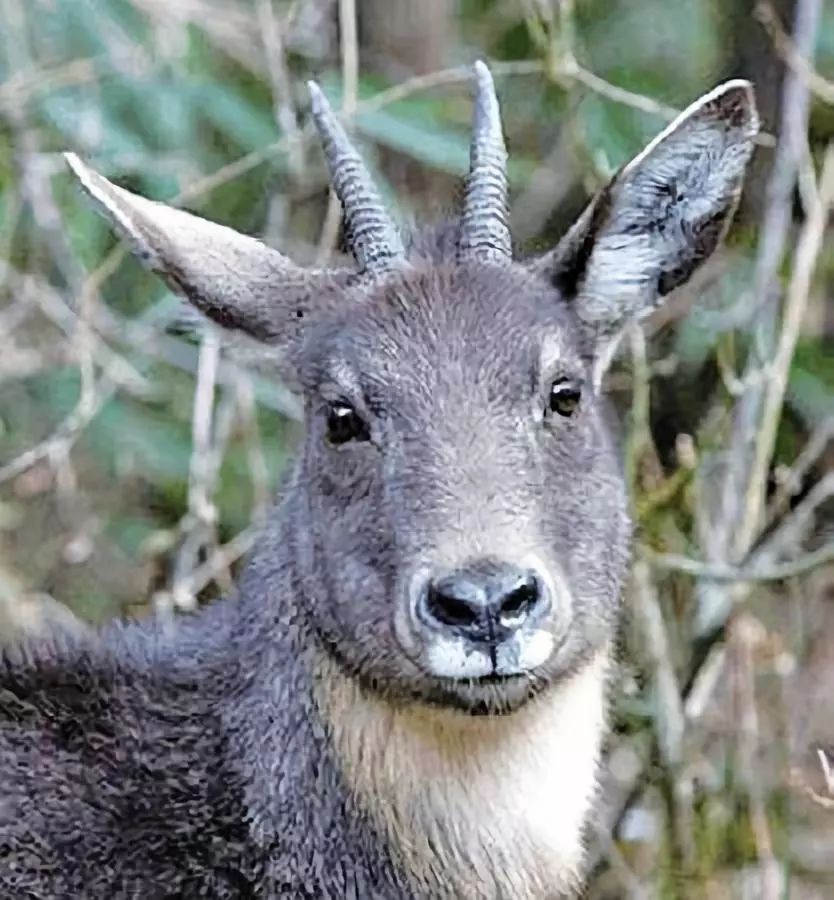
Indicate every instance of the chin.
{"type": "Point", "coordinates": [489, 695]}
{"type": "Point", "coordinates": [449, 673]}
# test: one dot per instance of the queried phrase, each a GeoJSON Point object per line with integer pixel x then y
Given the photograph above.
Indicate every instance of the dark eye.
{"type": "Point", "coordinates": [345, 424]}
{"type": "Point", "coordinates": [564, 397]}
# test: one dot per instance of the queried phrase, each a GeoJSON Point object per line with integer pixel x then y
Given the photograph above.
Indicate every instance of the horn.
{"type": "Point", "coordinates": [371, 233]}
{"type": "Point", "coordinates": [484, 229]}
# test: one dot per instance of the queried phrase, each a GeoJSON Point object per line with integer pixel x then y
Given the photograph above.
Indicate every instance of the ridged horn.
{"type": "Point", "coordinates": [484, 229]}
{"type": "Point", "coordinates": [371, 234]}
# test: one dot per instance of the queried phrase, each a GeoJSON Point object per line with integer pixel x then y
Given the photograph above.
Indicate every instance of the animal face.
{"type": "Point", "coordinates": [465, 509]}
{"type": "Point", "coordinates": [458, 511]}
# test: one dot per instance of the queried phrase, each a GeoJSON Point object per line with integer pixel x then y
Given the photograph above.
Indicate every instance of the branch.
{"type": "Point", "coordinates": [807, 251]}
{"type": "Point", "coordinates": [286, 115]}
{"type": "Point", "coordinates": [669, 719]}
{"type": "Point", "coordinates": [795, 527]}
{"type": "Point", "coordinates": [429, 81]}
{"type": "Point", "coordinates": [746, 573]}
{"type": "Point", "coordinates": [17, 90]}
{"type": "Point", "coordinates": [739, 522]}
{"type": "Point", "coordinates": [789, 481]}
{"type": "Point", "coordinates": [350, 88]}
{"type": "Point", "coordinates": [791, 55]}
{"type": "Point", "coordinates": [94, 394]}
{"type": "Point", "coordinates": [745, 634]}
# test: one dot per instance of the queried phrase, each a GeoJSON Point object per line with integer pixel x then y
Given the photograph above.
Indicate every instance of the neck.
{"type": "Point", "coordinates": [475, 806]}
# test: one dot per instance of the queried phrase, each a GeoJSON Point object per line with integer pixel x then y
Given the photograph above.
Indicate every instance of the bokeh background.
{"type": "Point", "coordinates": [139, 449]}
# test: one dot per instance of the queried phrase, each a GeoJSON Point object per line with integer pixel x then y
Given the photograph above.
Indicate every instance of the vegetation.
{"type": "Point", "coordinates": [138, 449]}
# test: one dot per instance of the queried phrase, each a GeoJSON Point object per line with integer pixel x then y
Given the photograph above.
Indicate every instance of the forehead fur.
{"type": "Point", "coordinates": [478, 318]}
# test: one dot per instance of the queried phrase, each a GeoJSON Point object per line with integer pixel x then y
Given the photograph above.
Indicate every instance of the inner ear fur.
{"type": "Point", "coordinates": [659, 217]}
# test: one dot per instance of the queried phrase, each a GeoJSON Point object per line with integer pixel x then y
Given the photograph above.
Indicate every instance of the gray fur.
{"type": "Point", "coordinates": [138, 763]}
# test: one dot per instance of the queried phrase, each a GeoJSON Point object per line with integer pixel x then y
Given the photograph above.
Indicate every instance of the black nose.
{"type": "Point", "coordinates": [484, 603]}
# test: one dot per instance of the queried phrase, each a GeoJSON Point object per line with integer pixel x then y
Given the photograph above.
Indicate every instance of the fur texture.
{"type": "Point", "coordinates": [470, 804]}
{"type": "Point", "coordinates": [314, 736]}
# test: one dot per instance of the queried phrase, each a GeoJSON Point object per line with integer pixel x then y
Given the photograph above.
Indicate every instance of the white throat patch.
{"type": "Point", "coordinates": [476, 807]}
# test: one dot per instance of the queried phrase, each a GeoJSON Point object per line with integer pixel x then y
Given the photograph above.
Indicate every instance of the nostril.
{"type": "Point", "coordinates": [450, 610]}
{"type": "Point", "coordinates": [519, 602]}
{"type": "Point", "coordinates": [487, 602]}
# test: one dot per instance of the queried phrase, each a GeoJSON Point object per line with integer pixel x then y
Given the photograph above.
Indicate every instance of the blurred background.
{"type": "Point", "coordinates": [139, 449]}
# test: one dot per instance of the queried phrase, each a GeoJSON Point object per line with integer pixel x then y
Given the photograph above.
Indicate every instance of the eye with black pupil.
{"type": "Point", "coordinates": [345, 424]}
{"type": "Point", "coordinates": [564, 398]}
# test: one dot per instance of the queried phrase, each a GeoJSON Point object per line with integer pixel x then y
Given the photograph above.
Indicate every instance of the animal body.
{"type": "Point", "coordinates": [406, 695]}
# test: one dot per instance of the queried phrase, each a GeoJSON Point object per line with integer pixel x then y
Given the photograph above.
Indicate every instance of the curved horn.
{"type": "Point", "coordinates": [484, 230]}
{"type": "Point", "coordinates": [372, 235]}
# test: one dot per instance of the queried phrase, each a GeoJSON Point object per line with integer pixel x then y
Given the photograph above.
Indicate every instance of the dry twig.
{"type": "Point", "coordinates": [350, 89]}
{"type": "Point", "coordinates": [789, 481]}
{"type": "Point", "coordinates": [744, 634]}
{"type": "Point", "coordinates": [807, 253]}
{"type": "Point", "coordinates": [670, 721]}
{"type": "Point", "coordinates": [755, 572]}
{"type": "Point", "coordinates": [749, 454]}
{"type": "Point", "coordinates": [789, 52]}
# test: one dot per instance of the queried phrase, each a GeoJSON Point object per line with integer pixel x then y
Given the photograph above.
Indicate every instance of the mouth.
{"type": "Point", "coordinates": [496, 678]}
{"type": "Point", "coordinates": [453, 658]}
{"type": "Point", "coordinates": [487, 695]}
{"type": "Point", "coordinates": [488, 679]}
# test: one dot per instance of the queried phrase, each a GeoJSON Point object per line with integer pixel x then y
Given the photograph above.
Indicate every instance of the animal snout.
{"type": "Point", "coordinates": [485, 603]}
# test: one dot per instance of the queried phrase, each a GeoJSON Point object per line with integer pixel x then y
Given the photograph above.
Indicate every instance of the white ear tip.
{"type": "Point", "coordinates": [317, 98]}
{"type": "Point", "coordinates": [737, 89]}
{"type": "Point", "coordinates": [735, 84]}
{"type": "Point", "coordinates": [105, 194]}
{"type": "Point", "coordinates": [79, 168]}
{"type": "Point", "coordinates": [94, 184]}
{"type": "Point", "coordinates": [735, 100]}
{"type": "Point", "coordinates": [482, 70]}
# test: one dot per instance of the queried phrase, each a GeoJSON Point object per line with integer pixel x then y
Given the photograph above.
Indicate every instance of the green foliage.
{"type": "Point", "coordinates": [158, 98]}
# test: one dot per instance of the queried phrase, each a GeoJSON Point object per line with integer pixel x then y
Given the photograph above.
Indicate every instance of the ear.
{"type": "Point", "coordinates": [659, 218]}
{"type": "Point", "coordinates": [235, 280]}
